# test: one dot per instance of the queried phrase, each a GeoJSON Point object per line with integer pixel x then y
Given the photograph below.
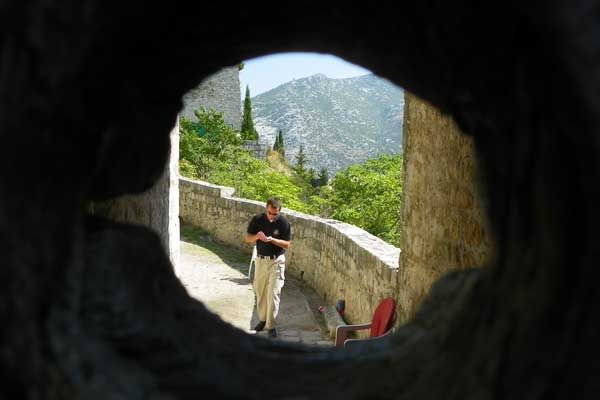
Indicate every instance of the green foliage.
{"type": "Point", "coordinates": [280, 144]}
{"type": "Point", "coordinates": [323, 178]}
{"type": "Point", "coordinates": [317, 181]}
{"type": "Point", "coordinates": [248, 131]}
{"type": "Point", "coordinates": [276, 143]}
{"type": "Point", "coordinates": [311, 177]}
{"type": "Point", "coordinates": [300, 166]}
{"type": "Point", "coordinates": [205, 143]}
{"type": "Point", "coordinates": [369, 195]}
{"type": "Point", "coordinates": [188, 169]}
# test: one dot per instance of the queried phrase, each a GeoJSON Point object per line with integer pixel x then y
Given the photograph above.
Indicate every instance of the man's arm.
{"type": "Point", "coordinates": [253, 233]}
{"type": "Point", "coordinates": [284, 244]}
{"type": "Point", "coordinates": [251, 238]}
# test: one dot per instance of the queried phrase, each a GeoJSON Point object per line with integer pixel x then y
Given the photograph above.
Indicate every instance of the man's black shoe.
{"type": "Point", "coordinates": [272, 333]}
{"type": "Point", "coordinates": [260, 326]}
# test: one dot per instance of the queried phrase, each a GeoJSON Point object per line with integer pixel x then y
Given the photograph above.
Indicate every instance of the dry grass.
{"type": "Point", "coordinates": [280, 164]}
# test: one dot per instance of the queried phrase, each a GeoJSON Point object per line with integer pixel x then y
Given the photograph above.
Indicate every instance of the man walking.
{"type": "Point", "coordinates": [271, 232]}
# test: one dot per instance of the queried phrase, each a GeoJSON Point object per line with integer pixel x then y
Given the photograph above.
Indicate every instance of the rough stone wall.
{"type": "Point", "coordinates": [221, 92]}
{"type": "Point", "coordinates": [443, 224]}
{"type": "Point", "coordinates": [157, 208]}
{"type": "Point", "coordinates": [258, 149]}
{"type": "Point", "coordinates": [328, 255]}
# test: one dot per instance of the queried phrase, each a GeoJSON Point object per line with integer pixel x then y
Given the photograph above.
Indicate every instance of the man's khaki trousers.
{"type": "Point", "coordinates": [269, 277]}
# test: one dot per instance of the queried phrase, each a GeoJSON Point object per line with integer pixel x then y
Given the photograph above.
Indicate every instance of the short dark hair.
{"type": "Point", "coordinates": [274, 202]}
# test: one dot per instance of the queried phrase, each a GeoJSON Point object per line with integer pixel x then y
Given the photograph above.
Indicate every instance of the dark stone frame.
{"type": "Point", "coordinates": [91, 309]}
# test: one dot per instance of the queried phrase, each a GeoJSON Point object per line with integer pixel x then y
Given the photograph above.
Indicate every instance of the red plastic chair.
{"type": "Point", "coordinates": [381, 325]}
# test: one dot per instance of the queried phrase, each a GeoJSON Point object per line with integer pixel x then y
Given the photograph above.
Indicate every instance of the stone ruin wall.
{"type": "Point", "coordinates": [327, 255]}
{"type": "Point", "coordinates": [220, 91]}
{"type": "Point", "coordinates": [256, 148]}
{"type": "Point", "coordinates": [443, 225]}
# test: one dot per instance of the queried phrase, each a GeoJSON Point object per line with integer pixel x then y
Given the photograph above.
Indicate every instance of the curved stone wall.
{"type": "Point", "coordinates": [328, 255]}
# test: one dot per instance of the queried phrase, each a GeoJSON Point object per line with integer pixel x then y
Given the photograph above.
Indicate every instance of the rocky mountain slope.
{"type": "Point", "coordinates": [339, 121]}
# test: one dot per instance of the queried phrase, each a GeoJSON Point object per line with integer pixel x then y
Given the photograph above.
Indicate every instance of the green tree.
{"type": "Point", "coordinates": [280, 146]}
{"type": "Point", "coordinates": [205, 143]}
{"type": "Point", "coordinates": [248, 132]}
{"type": "Point", "coordinates": [311, 177]}
{"type": "Point", "coordinates": [276, 143]}
{"type": "Point", "coordinates": [323, 177]}
{"type": "Point", "coordinates": [300, 166]}
{"type": "Point", "coordinates": [368, 195]}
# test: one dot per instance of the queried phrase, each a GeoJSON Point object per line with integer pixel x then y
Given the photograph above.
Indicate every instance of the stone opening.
{"type": "Point", "coordinates": [362, 264]}
{"type": "Point", "coordinates": [445, 228]}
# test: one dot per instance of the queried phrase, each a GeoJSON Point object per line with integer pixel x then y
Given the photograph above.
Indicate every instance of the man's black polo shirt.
{"type": "Point", "coordinates": [278, 229]}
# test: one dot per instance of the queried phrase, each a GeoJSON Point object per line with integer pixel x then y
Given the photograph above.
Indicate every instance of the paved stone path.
{"type": "Point", "coordinates": [217, 276]}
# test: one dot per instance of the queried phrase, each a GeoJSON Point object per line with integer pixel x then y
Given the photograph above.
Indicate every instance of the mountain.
{"type": "Point", "coordinates": [339, 121]}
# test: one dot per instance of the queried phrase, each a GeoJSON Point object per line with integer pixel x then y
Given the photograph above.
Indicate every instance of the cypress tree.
{"type": "Point", "coordinates": [280, 146]}
{"type": "Point", "coordinates": [248, 132]}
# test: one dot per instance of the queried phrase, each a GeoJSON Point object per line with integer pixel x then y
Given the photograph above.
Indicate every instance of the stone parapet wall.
{"type": "Point", "coordinates": [443, 224]}
{"type": "Point", "coordinates": [326, 254]}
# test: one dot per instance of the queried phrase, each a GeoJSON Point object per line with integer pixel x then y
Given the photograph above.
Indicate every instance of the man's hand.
{"type": "Point", "coordinates": [262, 237]}
{"type": "Point", "coordinates": [284, 244]}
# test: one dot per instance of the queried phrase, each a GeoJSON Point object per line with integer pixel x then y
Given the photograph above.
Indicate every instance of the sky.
{"type": "Point", "coordinates": [265, 73]}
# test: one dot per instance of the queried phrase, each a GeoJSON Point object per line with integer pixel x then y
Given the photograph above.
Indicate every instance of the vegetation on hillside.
{"type": "Point", "coordinates": [366, 195]}
{"type": "Point", "coordinates": [211, 151]}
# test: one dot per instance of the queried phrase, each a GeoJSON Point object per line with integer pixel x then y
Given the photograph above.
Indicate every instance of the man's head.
{"type": "Point", "coordinates": [273, 208]}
